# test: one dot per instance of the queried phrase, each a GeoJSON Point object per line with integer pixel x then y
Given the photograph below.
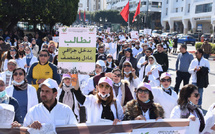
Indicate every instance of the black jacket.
{"type": "Point", "coordinates": [162, 59]}
{"type": "Point", "coordinates": [202, 77]}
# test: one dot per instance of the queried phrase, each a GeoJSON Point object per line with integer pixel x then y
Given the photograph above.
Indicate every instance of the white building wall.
{"type": "Point", "coordinates": [206, 18]}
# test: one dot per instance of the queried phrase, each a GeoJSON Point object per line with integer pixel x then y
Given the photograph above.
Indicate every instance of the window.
{"type": "Point", "coordinates": [182, 9]}
{"type": "Point", "coordinates": [167, 1]}
{"type": "Point", "coordinates": [143, 3]}
{"type": "Point", "coordinates": [176, 10]}
{"type": "Point", "coordinates": [188, 8]}
{"type": "Point", "coordinates": [166, 11]}
{"type": "Point", "coordinates": [204, 8]}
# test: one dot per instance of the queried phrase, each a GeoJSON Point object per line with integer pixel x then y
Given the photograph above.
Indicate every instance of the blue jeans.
{"type": "Point", "coordinates": [200, 90]}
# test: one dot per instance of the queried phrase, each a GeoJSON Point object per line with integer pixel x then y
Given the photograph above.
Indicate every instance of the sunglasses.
{"type": "Point", "coordinates": [164, 80]}
{"type": "Point", "coordinates": [20, 74]}
{"type": "Point", "coordinates": [142, 91]}
{"type": "Point", "coordinates": [43, 55]}
{"type": "Point", "coordinates": [104, 86]}
{"type": "Point", "coordinates": [118, 75]}
{"type": "Point", "coordinates": [126, 66]}
{"type": "Point", "coordinates": [13, 50]}
{"type": "Point", "coordinates": [45, 46]}
{"type": "Point", "coordinates": [196, 95]}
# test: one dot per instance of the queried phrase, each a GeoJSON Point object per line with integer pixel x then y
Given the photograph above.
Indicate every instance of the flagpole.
{"type": "Point", "coordinates": [128, 20]}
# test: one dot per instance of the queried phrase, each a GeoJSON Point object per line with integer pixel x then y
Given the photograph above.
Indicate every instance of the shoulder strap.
{"type": "Point", "coordinates": [116, 108]}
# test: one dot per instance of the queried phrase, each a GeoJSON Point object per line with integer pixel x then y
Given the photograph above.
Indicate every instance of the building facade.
{"type": "Point", "coordinates": [185, 16]}
{"type": "Point", "coordinates": [92, 5]}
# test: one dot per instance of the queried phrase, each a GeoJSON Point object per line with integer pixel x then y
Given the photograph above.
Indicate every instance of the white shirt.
{"type": "Point", "coordinates": [140, 62]}
{"type": "Point", "coordinates": [31, 94]}
{"type": "Point", "coordinates": [168, 102]}
{"type": "Point", "coordinates": [94, 109]}
{"type": "Point", "coordinates": [195, 63]}
{"type": "Point", "coordinates": [146, 114]}
{"type": "Point", "coordinates": [89, 87]}
{"type": "Point", "coordinates": [155, 74]}
{"type": "Point", "coordinates": [133, 84]}
{"type": "Point", "coordinates": [61, 114]}
{"type": "Point", "coordinates": [33, 59]}
{"type": "Point", "coordinates": [135, 51]}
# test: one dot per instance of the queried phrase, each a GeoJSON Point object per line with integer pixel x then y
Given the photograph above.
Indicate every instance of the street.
{"type": "Point", "coordinates": [209, 92]}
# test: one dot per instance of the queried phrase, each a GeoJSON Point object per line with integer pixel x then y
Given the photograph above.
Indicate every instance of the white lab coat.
{"type": "Point", "coordinates": [140, 62]}
{"type": "Point", "coordinates": [165, 100]}
{"type": "Point", "coordinates": [94, 110]}
{"type": "Point", "coordinates": [33, 59]}
{"type": "Point", "coordinates": [76, 108]}
{"type": "Point", "coordinates": [154, 82]}
{"type": "Point", "coordinates": [209, 120]}
{"type": "Point", "coordinates": [61, 114]}
{"type": "Point", "coordinates": [19, 63]}
{"type": "Point", "coordinates": [31, 92]}
{"type": "Point", "coordinates": [135, 51]}
{"type": "Point", "coordinates": [3, 76]}
{"type": "Point", "coordinates": [195, 63]}
{"type": "Point", "coordinates": [176, 114]}
{"type": "Point", "coordinates": [133, 84]}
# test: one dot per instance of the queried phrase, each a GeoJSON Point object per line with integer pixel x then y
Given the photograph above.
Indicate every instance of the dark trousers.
{"type": "Point", "coordinates": [185, 76]}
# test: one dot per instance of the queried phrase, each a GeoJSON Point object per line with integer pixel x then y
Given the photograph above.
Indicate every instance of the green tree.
{"type": "Point", "coordinates": [37, 11]}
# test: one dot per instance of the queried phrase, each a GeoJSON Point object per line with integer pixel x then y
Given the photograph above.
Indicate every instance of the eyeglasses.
{"type": "Point", "coordinates": [45, 46]}
{"type": "Point", "coordinates": [196, 95]}
{"type": "Point", "coordinates": [12, 50]}
{"type": "Point", "coordinates": [126, 66]}
{"type": "Point", "coordinates": [118, 75]}
{"type": "Point", "coordinates": [43, 55]}
{"type": "Point", "coordinates": [164, 80]}
{"type": "Point", "coordinates": [142, 91]}
{"type": "Point", "coordinates": [11, 64]}
{"type": "Point", "coordinates": [20, 74]}
{"type": "Point", "coordinates": [104, 86]}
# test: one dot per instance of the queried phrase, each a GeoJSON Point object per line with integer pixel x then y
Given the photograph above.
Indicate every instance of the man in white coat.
{"type": "Point", "coordinates": [165, 95]}
{"type": "Point", "coordinates": [49, 111]}
{"type": "Point", "coordinates": [195, 66]}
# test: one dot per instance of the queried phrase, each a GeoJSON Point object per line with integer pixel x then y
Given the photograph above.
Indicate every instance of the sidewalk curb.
{"type": "Point", "coordinates": [212, 56]}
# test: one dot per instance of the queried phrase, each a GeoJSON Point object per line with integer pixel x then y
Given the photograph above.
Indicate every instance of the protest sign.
{"type": "Point", "coordinates": [163, 126]}
{"type": "Point", "coordinates": [77, 50]}
{"type": "Point", "coordinates": [147, 31]}
{"type": "Point", "coordinates": [134, 34]}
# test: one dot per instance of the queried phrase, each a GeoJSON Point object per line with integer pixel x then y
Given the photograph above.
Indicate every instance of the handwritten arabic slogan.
{"type": "Point", "coordinates": [77, 49]}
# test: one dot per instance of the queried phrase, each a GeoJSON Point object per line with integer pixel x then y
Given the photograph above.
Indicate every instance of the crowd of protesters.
{"type": "Point", "coordinates": [130, 82]}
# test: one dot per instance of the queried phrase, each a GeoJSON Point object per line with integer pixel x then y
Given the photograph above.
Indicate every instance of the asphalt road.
{"type": "Point", "coordinates": [209, 92]}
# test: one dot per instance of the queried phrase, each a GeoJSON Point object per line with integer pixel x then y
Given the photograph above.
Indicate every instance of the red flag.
{"type": "Point", "coordinates": [125, 12]}
{"type": "Point", "coordinates": [137, 11]}
{"type": "Point", "coordinates": [84, 15]}
{"type": "Point", "coordinates": [79, 14]}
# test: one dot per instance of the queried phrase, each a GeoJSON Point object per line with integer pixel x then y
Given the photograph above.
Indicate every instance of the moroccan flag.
{"type": "Point", "coordinates": [137, 11]}
{"type": "Point", "coordinates": [79, 14]}
{"type": "Point", "coordinates": [125, 12]}
{"type": "Point", "coordinates": [84, 16]}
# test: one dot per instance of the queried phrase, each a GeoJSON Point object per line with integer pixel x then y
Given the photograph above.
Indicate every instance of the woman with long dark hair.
{"type": "Point", "coordinates": [12, 53]}
{"type": "Point", "coordinates": [110, 63]}
{"type": "Point", "coordinates": [188, 106]}
{"type": "Point", "coordinates": [129, 74]}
